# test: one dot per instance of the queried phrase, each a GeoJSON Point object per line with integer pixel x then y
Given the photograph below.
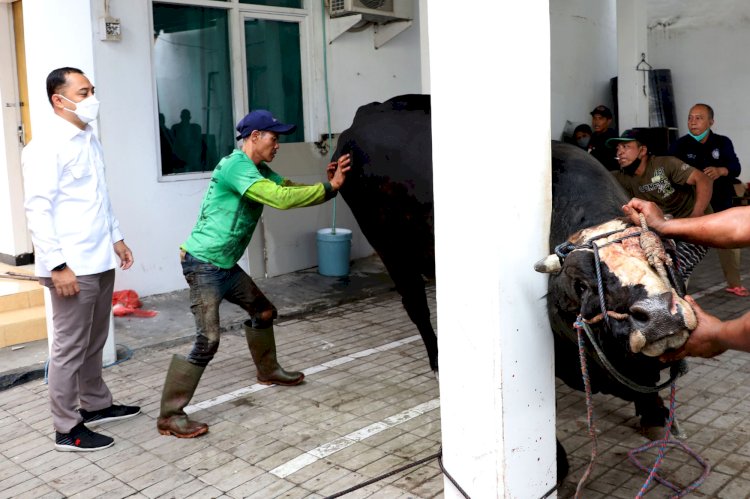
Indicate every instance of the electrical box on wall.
{"type": "Point", "coordinates": [110, 29]}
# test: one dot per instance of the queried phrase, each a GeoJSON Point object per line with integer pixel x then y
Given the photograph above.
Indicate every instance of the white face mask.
{"type": "Point", "coordinates": [87, 110]}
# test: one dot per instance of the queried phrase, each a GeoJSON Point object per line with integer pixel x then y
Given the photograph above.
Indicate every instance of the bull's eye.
{"type": "Point", "coordinates": [579, 287]}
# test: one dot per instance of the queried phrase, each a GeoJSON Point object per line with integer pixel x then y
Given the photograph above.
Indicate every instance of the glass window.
{"type": "Point", "coordinates": [294, 4]}
{"type": "Point", "coordinates": [193, 85]}
{"type": "Point", "coordinates": [274, 71]}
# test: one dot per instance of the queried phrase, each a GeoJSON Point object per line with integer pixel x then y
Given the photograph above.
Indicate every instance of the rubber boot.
{"type": "Point", "coordinates": [182, 379]}
{"type": "Point", "coordinates": [262, 347]}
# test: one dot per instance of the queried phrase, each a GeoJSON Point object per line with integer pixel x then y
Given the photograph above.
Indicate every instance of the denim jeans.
{"type": "Point", "coordinates": [209, 285]}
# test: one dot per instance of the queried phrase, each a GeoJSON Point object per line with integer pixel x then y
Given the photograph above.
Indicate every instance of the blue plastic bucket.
{"type": "Point", "coordinates": [334, 251]}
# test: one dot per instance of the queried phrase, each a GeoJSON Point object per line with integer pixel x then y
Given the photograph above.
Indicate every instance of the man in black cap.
{"type": "Point", "coordinates": [241, 184]}
{"type": "Point", "coordinates": [601, 123]}
{"type": "Point", "coordinates": [676, 187]}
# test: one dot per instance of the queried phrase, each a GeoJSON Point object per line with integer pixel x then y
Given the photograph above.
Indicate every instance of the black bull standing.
{"type": "Point", "coordinates": [389, 191]}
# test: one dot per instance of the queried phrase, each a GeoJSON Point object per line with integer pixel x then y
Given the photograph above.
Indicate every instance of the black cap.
{"type": "Point", "coordinates": [627, 136]}
{"type": "Point", "coordinates": [602, 110]}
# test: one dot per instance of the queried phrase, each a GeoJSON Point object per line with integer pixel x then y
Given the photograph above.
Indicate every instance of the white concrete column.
{"type": "Point", "coordinates": [632, 41]}
{"type": "Point", "coordinates": [14, 238]}
{"type": "Point", "coordinates": [490, 79]}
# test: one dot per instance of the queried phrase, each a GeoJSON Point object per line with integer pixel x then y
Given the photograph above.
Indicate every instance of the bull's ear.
{"type": "Point", "coordinates": [549, 265]}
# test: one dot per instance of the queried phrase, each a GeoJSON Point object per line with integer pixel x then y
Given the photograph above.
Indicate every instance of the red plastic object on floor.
{"type": "Point", "coordinates": [126, 302]}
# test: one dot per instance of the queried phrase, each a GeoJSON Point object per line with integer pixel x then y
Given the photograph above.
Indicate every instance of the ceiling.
{"type": "Point", "coordinates": [683, 14]}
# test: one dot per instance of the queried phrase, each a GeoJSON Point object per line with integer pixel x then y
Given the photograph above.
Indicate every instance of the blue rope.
{"type": "Point", "coordinates": [663, 443]}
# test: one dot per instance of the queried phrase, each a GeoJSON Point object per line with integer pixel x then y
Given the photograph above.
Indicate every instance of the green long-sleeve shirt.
{"type": "Point", "coordinates": [234, 202]}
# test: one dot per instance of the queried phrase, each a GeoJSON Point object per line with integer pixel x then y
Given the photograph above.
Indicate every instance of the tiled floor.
{"type": "Point", "coordinates": [369, 405]}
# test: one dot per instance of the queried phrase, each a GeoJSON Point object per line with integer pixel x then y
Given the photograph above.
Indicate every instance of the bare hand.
{"type": "Point", "coordinates": [65, 282]}
{"type": "Point", "coordinates": [653, 214]}
{"type": "Point", "coordinates": [714, 172]}
{"type": "Point", "coordinates": [125, 255]}
{"type": "Point", "coordinates": [331, 169]}
{"type": "Point", "coordinates": [704, 341]}
{"type": "Point", "coordinates": [339, 171]}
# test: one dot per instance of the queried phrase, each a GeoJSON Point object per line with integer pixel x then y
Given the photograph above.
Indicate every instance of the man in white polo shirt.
{"type": "Point", "coordinates": [76, 238]}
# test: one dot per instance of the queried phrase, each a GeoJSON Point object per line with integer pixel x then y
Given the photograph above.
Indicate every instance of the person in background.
{"type": "Point", "coordinates": [582, 136]}
{"type": "Point", "coordinates": [601, 124]}
{"type": "Point", "coordinates": [77, 241]}
{"type": "Point", "coordinates": [679, 189]}
{"type": "Point", "coordinates": [714, 155]}
{"type": "Point", "coordinates": [725, 229]}
{"type": "Point", "coordinates": [241, 184]}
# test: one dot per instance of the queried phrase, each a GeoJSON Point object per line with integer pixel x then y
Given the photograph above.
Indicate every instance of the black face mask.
{"type": "Point", "coordinates": [631, 168]}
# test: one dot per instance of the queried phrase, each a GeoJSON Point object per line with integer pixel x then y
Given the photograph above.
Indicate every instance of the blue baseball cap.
{"type": "Point", "coordinates": [262, 120]}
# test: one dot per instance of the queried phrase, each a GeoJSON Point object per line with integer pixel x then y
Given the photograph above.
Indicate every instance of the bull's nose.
{"type": "Point", "coordinates": [657, 316]}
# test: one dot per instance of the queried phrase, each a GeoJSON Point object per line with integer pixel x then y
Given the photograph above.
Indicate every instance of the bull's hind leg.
{"type": "Point", "coordinates": [411, 286]}
{"type": "Point", "coordinates": [419, 312]}
{"type": "Point", "coordinates": [562, 462]}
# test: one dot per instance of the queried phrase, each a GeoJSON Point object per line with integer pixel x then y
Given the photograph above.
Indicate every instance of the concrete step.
{"type": "Point", "coordinates": [22, 326]}
{"type": "Point", "coordinates": [22, 316]}
{"type": "Point", "coordinates": [17, 294]}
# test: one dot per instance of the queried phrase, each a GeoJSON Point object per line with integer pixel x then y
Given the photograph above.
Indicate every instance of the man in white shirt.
{"type": "Point", "coordinates": [76, 237]}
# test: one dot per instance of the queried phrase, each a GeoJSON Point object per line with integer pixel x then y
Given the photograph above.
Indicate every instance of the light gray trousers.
{"type": "Point", "coordinates": [730, 265]}
{"type": "Point", "coordinates": [81, 325]}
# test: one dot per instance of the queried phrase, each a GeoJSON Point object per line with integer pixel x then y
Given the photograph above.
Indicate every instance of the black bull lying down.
{"type": "Point", "coordinates": [389, 191]}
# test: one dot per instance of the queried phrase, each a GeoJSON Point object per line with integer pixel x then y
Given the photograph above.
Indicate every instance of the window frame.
{"type": "Point", "coordinates": [237, 14]}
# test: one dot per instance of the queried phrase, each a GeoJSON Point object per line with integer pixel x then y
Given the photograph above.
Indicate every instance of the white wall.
{"type": "Point", "coordinates": [360, 74]}
{"type": "Point", "coordinates": [583, 58]}
{"type": "Point", "coordinates": [708, 58]}
{"type": "Point", "coordinates": [156, 216]}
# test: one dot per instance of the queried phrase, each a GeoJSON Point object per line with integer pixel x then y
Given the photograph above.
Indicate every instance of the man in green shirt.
{"type": "Point", "coordinates": [679, 189]}
{"type": "Point", "coordinates": [241, 184]}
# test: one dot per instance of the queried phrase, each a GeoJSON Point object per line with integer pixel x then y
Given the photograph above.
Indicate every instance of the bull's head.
{"type": "Point", "coordinates": [645, 313]}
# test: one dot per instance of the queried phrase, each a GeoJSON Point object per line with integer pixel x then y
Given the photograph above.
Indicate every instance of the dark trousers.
{"type": "Point", "coordinates": [81, 325]}
{"type": "Point", "coordinates": [209, 285]}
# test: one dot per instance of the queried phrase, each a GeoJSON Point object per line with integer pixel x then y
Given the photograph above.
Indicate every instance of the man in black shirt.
{"type": "Point", "coordinates": [601, 122]}
{"type": "Point", "coordinates": [714, 155]}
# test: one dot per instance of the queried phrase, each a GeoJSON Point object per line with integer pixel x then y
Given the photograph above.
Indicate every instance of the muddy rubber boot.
{"type": "Point", "coordinates": [182, 379]}
{"type": "Point", "coordinates": [262, 347]}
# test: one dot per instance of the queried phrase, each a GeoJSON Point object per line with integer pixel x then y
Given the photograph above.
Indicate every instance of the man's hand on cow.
{"type": "Point", "coordinates": [654, 216]}
{"type": "Point", "coordinates": [705, 341]}
{"type": "Point", "coordinates": [339, 171]}
{"type": "Point", "coordinates": [331, 169]}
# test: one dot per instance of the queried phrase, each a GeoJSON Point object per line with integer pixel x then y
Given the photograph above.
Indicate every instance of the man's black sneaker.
{"type": "Point", "coordinates": [111, 413]}
{"type": "Point", "coordinates": [81, 439]}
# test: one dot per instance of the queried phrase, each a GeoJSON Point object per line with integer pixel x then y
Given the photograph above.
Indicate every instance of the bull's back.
{"type": "Point", "coordinates": [584, 192]}
{"type": "Point", "coordinates": [389, 188]}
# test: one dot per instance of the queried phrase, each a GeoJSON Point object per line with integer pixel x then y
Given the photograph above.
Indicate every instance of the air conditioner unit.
{"type": "Point", "coordinates": [379, 11]}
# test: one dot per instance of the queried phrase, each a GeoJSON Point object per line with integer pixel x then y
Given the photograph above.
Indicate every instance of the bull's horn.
{"type": "Point", "coordinates": [548, 265]}
{"type": "Point", "coordinates": [637, 341]}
